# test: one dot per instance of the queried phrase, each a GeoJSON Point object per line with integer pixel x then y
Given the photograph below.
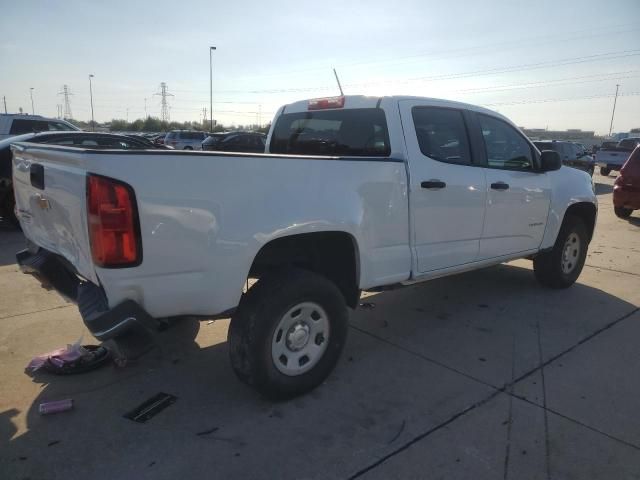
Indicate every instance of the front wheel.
{"type": "Point", "coordinates": [288, 333]}
{"type": "Point", "coordinates": [622, 212]}
{"type": "Point", "coordinates": [561, 266]}
{"type": "Point", "coordinates": [604, 171]}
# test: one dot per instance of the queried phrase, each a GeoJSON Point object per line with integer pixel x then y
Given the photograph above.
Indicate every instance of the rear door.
{"type": "Point", "coordinates": [447, 188]}
{"type": "Point", "coordinates": [518, 196]}
{"type": "Point", "coordinates": [50, 191]}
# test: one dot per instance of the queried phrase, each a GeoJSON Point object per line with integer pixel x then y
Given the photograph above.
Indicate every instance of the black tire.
{"type": "Point", "coordinates": [604, 171]}
{"type": "Point", "coordinates": [253, 329]}
{"type": "Point", "coordinates": [7, 209]}
{"type": "Point", "coordinates": [548, 266]}
{"type": "Point", "coordinates": [188, 148]}
{"type": "Point", "coordinates": [622, 212]}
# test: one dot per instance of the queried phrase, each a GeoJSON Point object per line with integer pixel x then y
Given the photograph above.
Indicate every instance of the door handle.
{"type": "Point", "coordinates": [500, 186]}
{"type": "Point", "coordinates": [433, 184]}
{"type": "Point", "coordinates": [37, 176]}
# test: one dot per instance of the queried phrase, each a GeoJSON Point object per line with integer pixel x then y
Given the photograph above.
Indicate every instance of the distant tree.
{"type": "Point", "coordinates": [118, 125]}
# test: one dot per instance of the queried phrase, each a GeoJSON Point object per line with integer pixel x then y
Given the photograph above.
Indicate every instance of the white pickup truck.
{"type": "Point", "coordinates": [355, 193]}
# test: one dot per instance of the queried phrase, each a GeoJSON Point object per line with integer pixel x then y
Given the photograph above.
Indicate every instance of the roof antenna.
{"type": "Point", "coordinates": [338, 80]}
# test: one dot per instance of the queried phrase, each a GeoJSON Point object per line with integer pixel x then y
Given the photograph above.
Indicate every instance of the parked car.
{"type": "Point", "coordinates": [81, 139]}
{"type": "Point", "coordinates": [14, 124]}
{"type": "Point", "coordinates": [185, 139]}
{"type": "Point", "coordinates": [357, 193]}
{"type": "Point", "coordinates": [248, 142]}
{"type": "Point", "coordinates": [626, 189]}
{"type": "Point", "coordinates": [571, 154]}
{"type": "Point", "coordinates": [612, 158]}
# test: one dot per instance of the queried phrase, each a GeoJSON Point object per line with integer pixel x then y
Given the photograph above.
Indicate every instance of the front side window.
{"type": "Point", "coordinates": [442, 134]}
{"type": "Point", "coordinates": [58, 127]}
{"type": "Point", "coordinates": [505, 147]}
{"type": "Point", "coordinates": [348, 132]}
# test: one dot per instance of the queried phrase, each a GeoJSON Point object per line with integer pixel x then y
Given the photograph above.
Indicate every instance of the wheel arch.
{"type": "Point", "coordinates": [587, 212]}
{"type": "Point", "coordinates": [333, 254]}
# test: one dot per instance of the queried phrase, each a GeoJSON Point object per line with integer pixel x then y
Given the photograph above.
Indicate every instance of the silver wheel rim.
{"type": "Point", "coordinates": [300, 339]}
{"type": "Point", "coordinates": [570, 253]}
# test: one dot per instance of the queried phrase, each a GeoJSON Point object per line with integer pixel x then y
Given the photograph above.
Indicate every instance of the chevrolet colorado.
{"type": "Point", "coordinates": [354, 193]}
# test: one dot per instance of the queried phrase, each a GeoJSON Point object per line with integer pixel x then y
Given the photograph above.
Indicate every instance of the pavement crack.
{"type": "Point", "coordinates": [36, 311]}
{"type": "Point", "coordinates": [424, 435]}
{"type": "Point", "coordinates": [612, 270]}
{"type": "Point", "coordinates": [509, 390]}
{"type": "Point", "coordinates": [544, 405]}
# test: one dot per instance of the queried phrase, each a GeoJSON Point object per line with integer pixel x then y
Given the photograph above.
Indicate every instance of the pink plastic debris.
{"type": "Point", "coordinates": [47, 408]}
{"type": "Point", "coordinates": [58, 357]}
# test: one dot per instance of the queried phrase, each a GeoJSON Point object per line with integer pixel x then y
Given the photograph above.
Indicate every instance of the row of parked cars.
{"type": "Point", "coordinates": [37, 129]}
{"type": "Point", "coordinates": [251, 142]}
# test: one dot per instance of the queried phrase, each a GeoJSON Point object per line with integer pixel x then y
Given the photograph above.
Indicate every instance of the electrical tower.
{"type": "Point", "coordinates": [66, 92]}
{"type": "Point", "coordinates": [164, 110]}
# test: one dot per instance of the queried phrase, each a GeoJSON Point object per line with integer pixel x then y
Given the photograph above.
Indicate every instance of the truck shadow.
{"type": "Point", "coordinates": [486, 325]}
{"type": "Point", "coordinates": [11, 241]}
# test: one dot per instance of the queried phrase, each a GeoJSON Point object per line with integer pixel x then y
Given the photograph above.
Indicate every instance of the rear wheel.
{"type": "Point", "coordinates": [561, 266]}
{"type": "Point", "coordinates": [605, 171]}
{"type": "Point", "coordinates": [288, 333]}
{"type": "Point", "coordinates": [622, 212]}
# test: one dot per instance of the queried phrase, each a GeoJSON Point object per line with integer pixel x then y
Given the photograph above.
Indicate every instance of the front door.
{"type": "Point", "coordinates": [518, 196]}
{"type": "Point", "coordinates": [447, 189]}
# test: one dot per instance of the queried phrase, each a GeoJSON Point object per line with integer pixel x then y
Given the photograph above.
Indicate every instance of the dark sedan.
{"type": "Point", "coordinates": [90, 140]}
{"type": "Point", "coordinates": [248, 142]}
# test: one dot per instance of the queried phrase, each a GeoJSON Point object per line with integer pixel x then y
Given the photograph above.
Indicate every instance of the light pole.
{"type": "Point", "coordinates": [93, 123]}
{"type": "Point", "coordinates": [33, 112]}
{"type": "Point", "coordinates": [614, 109]}
{"type": "Point", "coordinates": [211, 49]}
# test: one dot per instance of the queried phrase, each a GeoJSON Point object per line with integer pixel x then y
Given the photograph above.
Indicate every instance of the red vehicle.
{"type": "Point", "coordinates": [626, 190]}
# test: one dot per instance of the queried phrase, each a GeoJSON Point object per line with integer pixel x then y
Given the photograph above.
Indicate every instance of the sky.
{"type": "Point", "coordinates": [544, 64]}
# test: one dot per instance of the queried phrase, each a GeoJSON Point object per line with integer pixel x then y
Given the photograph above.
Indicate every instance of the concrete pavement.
{"type": "Point", "coordinates": [483, 375]}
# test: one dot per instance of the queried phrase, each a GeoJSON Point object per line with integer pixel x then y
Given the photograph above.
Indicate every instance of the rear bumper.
{"type": "Point", "coordinates": [104, 323]}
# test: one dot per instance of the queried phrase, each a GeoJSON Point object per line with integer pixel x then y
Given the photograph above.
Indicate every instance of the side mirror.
{"type": "Point", "coordinates": [549, 161]}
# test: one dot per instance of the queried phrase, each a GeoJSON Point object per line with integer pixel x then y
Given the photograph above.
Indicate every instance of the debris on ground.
{"type": "Point", "coordinates": [151, 407]}
{"type": "Point", "coordinates": [57, 406]}
{"type": "Point", "coordinates": [207, 432]}
{"type": "Point", "coordinates": [72, 359]}
{"type": "Point", "coordinates": [367, 305]}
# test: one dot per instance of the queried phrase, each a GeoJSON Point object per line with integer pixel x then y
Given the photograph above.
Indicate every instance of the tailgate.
{"type": "Point", "coordinates": [50, 189]}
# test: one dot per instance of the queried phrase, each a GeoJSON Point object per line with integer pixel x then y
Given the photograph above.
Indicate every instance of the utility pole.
{"type": "Point", "coordinates": [93, 122]}
{"type": "Point", "coordinates": [211, 49]}
{"type": "Point", "coordinates": [33, 112]}
{"type": "Point", "coordinates": [66, 92]}
{"type": "Point", "coordinates": [204, 117]}
{"type": "Point", "coordinates": [614, 109]}
{"type": "Point", "coordinates": [127, 116]}
{"type": "Point", "coordinates": [4, 99]}
{"type": "Point", "coordinates": [164, 93]}
{"type": "Point", "coordinates": [59, 110]}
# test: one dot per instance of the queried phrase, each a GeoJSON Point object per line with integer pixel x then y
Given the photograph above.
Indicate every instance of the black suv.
{"type": "Point", "coordinates": [572, 154]}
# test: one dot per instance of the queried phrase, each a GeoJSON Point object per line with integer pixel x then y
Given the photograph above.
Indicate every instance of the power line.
{"type": "Point", "coordinates": [553, 100]}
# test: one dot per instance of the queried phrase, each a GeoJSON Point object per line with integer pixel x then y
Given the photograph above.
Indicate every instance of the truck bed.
{"type": "Point", "coordinates": [204, 215]}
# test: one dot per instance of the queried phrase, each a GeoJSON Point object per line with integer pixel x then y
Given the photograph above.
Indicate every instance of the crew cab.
{"type": "Point", "coordinates": [354, 193]}
{"type": "Point", "coordinates": [612, 158]}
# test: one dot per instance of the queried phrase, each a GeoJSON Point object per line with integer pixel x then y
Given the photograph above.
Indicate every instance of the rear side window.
{"type": "Point", "coordinates": [351, 132]}
{"type": "Point", "coordinates": [505, 147]}
{"type": "Point", "coordinates": [442, 134]}
{"type": "Point", "coordinates": [58, 127]}
{"type": "Point", "coordinates": [28, 126]}
{"type": "Point", "coordinates": [171, 135]}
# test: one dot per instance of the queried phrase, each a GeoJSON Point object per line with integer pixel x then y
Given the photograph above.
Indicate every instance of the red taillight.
{"type": "Point", "coordinates": [326, 103]}
{"type": "Point", "coordinates": [114, 230]}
